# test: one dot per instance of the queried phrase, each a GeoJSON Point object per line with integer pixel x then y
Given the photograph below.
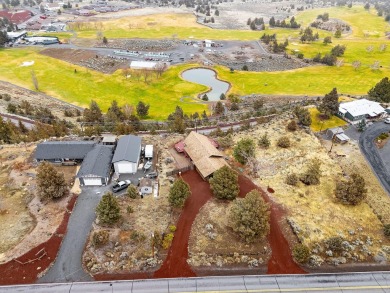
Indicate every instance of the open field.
{"type": "Point", "coordinates": [57, 78]}
{"type": "Point", "coordinates": [318, 124]}
{"type": "Point", "coordinates": [328, 217]}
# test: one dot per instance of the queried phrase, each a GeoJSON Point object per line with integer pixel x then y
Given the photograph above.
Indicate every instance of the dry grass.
{"type": "Point", "coordinates": [226, 241]}
{"type": "Point", "coordinates": [313, 208]}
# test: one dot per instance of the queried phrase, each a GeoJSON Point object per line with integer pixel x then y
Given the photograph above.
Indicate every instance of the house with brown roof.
{"type": "Point", "coordinates": [206, 158]}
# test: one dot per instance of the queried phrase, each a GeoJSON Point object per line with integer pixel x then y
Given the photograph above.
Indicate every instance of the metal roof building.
{"type": "Point", "coordinates": [360, 109]}
{"type": "Point", "coordinates": [127, 154]}
{"type": "Point", "coordinates": [59, 151]}
{"type": "Point", "coordinates": [96, 167]}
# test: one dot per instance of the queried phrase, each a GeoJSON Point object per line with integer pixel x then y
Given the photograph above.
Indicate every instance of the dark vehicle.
{"type": "Point", "coordinates": [151, 175]}
{"type": "Point", "coordinates": [121, 185]}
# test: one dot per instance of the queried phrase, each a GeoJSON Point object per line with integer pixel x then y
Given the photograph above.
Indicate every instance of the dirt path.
{"type": "Point", "coordinates": [175, 265]}
{"type": "Point", "coordinates": [281, 261]}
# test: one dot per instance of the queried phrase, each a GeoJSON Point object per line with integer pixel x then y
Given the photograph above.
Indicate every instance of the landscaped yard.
{"type": "Point", "coordinates": [318, 124]}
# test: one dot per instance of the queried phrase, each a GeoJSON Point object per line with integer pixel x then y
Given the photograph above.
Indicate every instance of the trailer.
{"type": "Point", "coordinates": [149, 151]}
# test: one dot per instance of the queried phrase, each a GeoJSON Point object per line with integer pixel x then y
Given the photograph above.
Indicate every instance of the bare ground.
{"type": "Point", "coordinates": [25, 222]}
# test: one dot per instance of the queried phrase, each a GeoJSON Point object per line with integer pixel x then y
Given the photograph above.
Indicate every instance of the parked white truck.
{"type": "Point", "coordinates": [149, 152]}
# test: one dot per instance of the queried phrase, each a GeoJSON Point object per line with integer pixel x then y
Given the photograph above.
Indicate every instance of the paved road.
{"type": "Point", "coordinates": [348, 282]}
{"type": "Point", "coordinates": [370, 151]}
{"type": "Point", "coordinates": [67, 267]}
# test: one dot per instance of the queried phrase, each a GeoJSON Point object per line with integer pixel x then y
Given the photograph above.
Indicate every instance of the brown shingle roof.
{"type": "Point", "coordinates": [205, 156]}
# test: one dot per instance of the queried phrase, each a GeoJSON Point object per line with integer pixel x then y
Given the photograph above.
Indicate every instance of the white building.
{"type": "Point", "coordinates": [360, 109]}
{"type": "Point", "coordinates": [127, 155]}
{"type": "Point", "coordinates": [143, 65]}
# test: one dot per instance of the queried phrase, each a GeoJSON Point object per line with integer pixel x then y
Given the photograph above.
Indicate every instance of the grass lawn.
{"type": "Point", "coordinates": [318, 124]}
{"type": "Point", "coordinates": [57, 78]}
{"type": "Point", "coordinates": [316, 80]}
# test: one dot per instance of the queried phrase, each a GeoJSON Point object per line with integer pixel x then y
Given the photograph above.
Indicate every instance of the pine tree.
{"type": "Point", "coordinates": [132, 192]}
{"type": "Point", "coordinates": [51, 184]}
{"type": "Point", "coordinates": [244, 150]}
{"type": "Point", "coordinates": [142, 109]}
{"type": "Point", "coordinates": [224, 183]}
{"type": "Point", "coordinates": [381, 91]}
{"type": "Point", "coordinates": [108, 211]}
{"type": "Point", "coordinates": [219, 109]}
{"type": "Point", "coordinates": [5, 131]}
{"type": "Point", "coordinates": [93, 113]}
{"type": "Point", "coordinates": [330, 104]}
{"type": "Point", "coordinates": [272, 21]}
{"type": "Point", "coordinates": [249, 217]}
{"type": "Point", "coordinates": [178, 193]}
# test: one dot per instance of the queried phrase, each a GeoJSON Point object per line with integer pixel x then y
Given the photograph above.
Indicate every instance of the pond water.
{"type": "Point", "coordinates": [208, 78]}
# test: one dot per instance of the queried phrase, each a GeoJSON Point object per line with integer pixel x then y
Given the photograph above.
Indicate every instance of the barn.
{"type": "Point", "coordinates": [204, 155]}
{"type": "Point", "coordinates": [63, 152]}
{"type": "Point", "coordinates": [127, 155]}
{"type": "Point", "coordinates": [96, 167]}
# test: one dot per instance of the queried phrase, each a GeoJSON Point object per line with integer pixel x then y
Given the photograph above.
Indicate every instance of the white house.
{"type": "Point", "coordinates": [360, 109]}
{"type": "Point", "coordinates": [143, 65]}
{"type": "Point", "coordinates": [127, 155]}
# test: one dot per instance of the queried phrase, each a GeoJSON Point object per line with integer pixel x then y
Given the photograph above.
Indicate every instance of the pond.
{"type": "Point", "coordinates": [208, 78]}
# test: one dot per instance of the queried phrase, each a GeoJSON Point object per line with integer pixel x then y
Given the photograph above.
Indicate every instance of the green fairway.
{"type": "Point", "coordinates": [57, 78]}
{"type": "Point", "coordinates": [316, 80]}
{"type": "Point", "coordinates": [318, 125]}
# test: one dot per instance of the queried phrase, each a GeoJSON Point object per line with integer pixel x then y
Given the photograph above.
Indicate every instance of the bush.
{"type": "Point", "coordinates": [292, 179]}
{"type": "Point", "coordinates": [178, 193]}
{"type": "Point", "coordinates": [312, 174]}
{"type": "Point", "coordinates": [224, 183]}
{"type": "Point", "coordinates": [335, 244]}
{"type": "Point", "coordinates": [7, 97]}
{"type": "Point", "coordinates": [108, 211]}
{"type": "Point", "coordinates": [167, 240]}
{"type": "Point", "coordinates": [249, 217]}
{"type": "Point", "coordinates": [284, 142]}
{"type": "Point", "coordinates": [172, 228]}
{"type": "Point", "coordinates": [132, 192]}
{"type": "Point", "coordinates": [383, 136]}
{"type": "Point", "coordinates": [129, 210]}
{"type": "Point", "coordinates": [352, 191]}
{"type": "Point", "coordinates": [264, 141]}
{"type": "Point", "coordinates": [137, 237]}
{"type": "Point", "coordinates": [292, 125]}
{"type": "Point", "coordinates": [225, 142]}
{"type": "Point", "coordinates": [386, 230]}
{"type": "Point", "coordinates": [300, 55]}
{"type": "Point", "coordinates": [244, 150]}
{"type": "Point", "coordinates": [100, 238]}
{"type": "Point", "coordinates": [157, 239]}
{"type": "Point", "coordinates": [301, 253]}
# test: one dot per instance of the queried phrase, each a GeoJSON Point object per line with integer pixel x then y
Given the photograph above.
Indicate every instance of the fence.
{"type": "Point", "coordinates": [184, 169]}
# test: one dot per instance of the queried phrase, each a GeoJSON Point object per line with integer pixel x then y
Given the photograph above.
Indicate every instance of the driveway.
{"type": "Point", "coordinates": [376, 158]}
{"type": "Point", "coordinates": [67, 267]}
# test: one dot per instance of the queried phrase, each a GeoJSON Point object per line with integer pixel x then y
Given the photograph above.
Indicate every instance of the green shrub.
{"type": "Point", "coordinates": [172, 228]}
{"type": "Point", "coordinates": [352, 191]}
{"type": "Point", "coordinates": [386, 230]}
{"type": "Point", "coordinates": [129, 210]}
{"type": "Point", "coordinates": [224, 183]}
{"type": "Point", "coordinates": [292, 179]}
{"type": "Point", "coordinates": [108, 211]}
{"type": "Point", "coordinates": [284, 142]}
{"type": "Point", "coordinates": [301, 253]}
{"type": "Point", "coordinates": [335, 243]}
{"type": "Point", "coordinates": [313, 173]}
{"type": "Point", "coordinates": [178, 193]}
{"type": "Point", "coordinates": [100, 238]}
{"type": "Point", "coordinates": [167, 240]}
{"type": "Point", "coordinates": [383, 136]}
{"type": "Point", "coordinates": [132, 192]}
{"type": "Point", "coordinates": [292, 125]}
{"type": "Point", "coordinates": [264, 141]}
{"type": "Point", "coordinates": [137, 236]}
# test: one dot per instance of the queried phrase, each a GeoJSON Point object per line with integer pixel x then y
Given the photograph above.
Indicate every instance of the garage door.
{"type": "Point", "coordinates": [92, 181]}
{"type": "Point", "coordinates": [125, 168]}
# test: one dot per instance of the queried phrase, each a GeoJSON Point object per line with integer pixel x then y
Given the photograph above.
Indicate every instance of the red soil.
{"type": "Point", "coordinates": [281, 261]}
{"type": "Point", "coordinates": [175, 265]}
{"type": "Point", "coordinates": [13, 272]}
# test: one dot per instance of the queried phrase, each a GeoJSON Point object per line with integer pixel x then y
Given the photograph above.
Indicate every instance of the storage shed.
{"type": "Point", "coordinates": [96, 167]}
{"type": "Point", "coordinates": [337, 134]}
{"type": "Point", "coordinates": [127, 154]}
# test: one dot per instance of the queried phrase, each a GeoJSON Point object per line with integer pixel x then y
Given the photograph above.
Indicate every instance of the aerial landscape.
{"type": "Point", "coordinates": [194, 145]}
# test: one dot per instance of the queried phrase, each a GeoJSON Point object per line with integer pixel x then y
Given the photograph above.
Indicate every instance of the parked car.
{"type": "Point", "coordinates": [147, 165]}
{"type": "Point", "coordinates": [151, 175]}
{"type": "Point", "coordinates": [121, 185]}
{"type": "Point", "coordinates": [387, 120]}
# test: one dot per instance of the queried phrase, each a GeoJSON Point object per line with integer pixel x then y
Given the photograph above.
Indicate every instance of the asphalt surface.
{"type": "Point", "coordinates": [67, 267]}
{"type": "Point", "coordinates": [372, 154]}
{"type": "Point", "coordinates": [348, 282]}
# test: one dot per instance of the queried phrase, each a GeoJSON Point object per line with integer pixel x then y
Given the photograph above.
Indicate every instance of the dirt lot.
{"type": "Point", "coordinates": [25, 220]}
{"type": "Point", "coordinates": [357, 225]}
{"type": "Point", "coordinates": [87, 59]}
{"type": "Point", "coordinates": [19, 94]}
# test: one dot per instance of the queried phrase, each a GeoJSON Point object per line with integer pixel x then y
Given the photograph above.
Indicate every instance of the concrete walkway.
{"type": "Point", "coordinates": [67, 267]}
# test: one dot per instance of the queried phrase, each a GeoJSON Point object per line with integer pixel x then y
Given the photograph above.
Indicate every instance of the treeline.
{"type": "Point", "coordinates": [330, 58]}
{"type": "Point", "coordinates": [256, 24]}
{"type": "Point", "coordinates": [284, 23]}
{"type": "Point", "coordinates": [273, 44]}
